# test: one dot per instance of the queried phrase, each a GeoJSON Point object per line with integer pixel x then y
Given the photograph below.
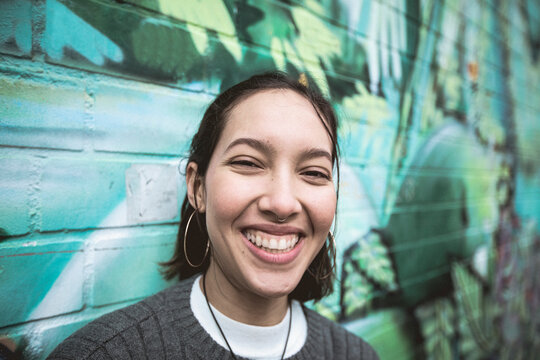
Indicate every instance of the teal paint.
{"type": "Point", "coordinates": [16, 27]}
{"type": "Point", "coordinates": [439, 174]}
{"type": "Point", "coordinates": [145, 119]}
{"type": "Point", "coordinates": [16, 179]}
{"type": "Point", "coordinates": [64, 30]}
{"type": "Point", "coordinates": [85, 197]}
{"type": "Point", "coordinates": [139, 254]}
{"type": "Point", "coordinates": [31, 116]}
{"type": "Point", "coordinates": [23, 290]}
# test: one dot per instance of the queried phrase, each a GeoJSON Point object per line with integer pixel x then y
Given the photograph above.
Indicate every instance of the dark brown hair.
{"type": "Point", "coordinates": [318, 279]}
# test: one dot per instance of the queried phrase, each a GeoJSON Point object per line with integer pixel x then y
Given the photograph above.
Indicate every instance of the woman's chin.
{"type": "Point", "coordinates": [274, 286]}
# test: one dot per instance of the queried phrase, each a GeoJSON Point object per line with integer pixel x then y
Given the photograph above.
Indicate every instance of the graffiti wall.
{"type": "Point", "coordinates": [438, 230]}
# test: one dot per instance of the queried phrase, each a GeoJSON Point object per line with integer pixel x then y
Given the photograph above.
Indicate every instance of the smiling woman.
{"type": "Point", "coordinates": [254, 240]}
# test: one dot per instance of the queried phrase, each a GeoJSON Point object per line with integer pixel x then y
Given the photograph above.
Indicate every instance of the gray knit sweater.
{"type": "Point", "coordinates": [164, 327]}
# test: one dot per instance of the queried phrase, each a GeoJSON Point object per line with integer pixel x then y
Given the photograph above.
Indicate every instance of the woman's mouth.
{"type": "Point", "coordinates": [272, 243]}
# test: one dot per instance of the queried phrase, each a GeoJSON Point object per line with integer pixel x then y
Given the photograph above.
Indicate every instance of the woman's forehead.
{"type": "Point", "coordinates": [266, 97]}
{"type": "Point", "coordinates": [277, 117]}
{"type": "Point", "coordinates": [275, 105]}
{"type": "Point", "coordinates": [275, 111]}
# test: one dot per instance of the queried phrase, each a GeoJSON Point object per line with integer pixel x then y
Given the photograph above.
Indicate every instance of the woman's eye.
{"type": "Point", "coordinates": [244, 163]}
{"type": "Point", "coordinates": [316, 175]}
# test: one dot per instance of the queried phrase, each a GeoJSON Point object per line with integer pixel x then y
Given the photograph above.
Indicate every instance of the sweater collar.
{"type": "Point", "coordinates": [185, 324]}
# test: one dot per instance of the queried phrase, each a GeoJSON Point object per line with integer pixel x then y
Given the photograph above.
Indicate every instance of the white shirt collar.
{"type": "Point", "coordinates": [254, 342]}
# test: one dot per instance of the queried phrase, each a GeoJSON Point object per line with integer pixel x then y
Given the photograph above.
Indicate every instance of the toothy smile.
{"type": "Point", "coordinates": [272, 243]}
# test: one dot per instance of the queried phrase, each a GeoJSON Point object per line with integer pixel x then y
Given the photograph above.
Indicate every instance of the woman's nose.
{"type": "Point", "coordinates": [280, 200]}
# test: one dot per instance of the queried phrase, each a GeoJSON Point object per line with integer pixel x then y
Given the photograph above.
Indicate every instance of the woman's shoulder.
{"type": "Point", "coordinates": [335, 340]}
{"type": "Point", "coordinates": [128, 329]}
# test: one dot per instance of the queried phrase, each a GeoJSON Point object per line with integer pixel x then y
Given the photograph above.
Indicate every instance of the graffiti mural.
{"type": "Point", "coordinates": [438, 227]}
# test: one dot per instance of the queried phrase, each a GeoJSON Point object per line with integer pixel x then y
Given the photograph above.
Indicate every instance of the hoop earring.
{"type": "Point", "coordinates": [185, 241]}
{"type": "Point", "coordinates": [328, 274]}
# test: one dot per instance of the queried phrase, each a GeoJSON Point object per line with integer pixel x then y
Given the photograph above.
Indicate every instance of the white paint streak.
{"type": "Point", "coordinates": [152, 192]}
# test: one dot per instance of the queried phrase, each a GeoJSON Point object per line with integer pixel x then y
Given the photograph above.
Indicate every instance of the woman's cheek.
{"type": "Point", "coordinates": [232, 194]}
{"type": "Point", "coordinates": [323, 207]}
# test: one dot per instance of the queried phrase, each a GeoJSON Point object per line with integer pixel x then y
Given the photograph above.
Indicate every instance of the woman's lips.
{"type": "Point", "coordinates": [278, 247]}
{"type": "Point", "coordinates": [271, 242]}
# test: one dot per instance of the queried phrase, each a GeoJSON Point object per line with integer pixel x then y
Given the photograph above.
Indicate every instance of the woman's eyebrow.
{"type": "Point", "coordinates": [254, 143]}
{"type": "Point", "coordinates": [316, 153]}
{"type": "Point", "coordinates": [268, 149]}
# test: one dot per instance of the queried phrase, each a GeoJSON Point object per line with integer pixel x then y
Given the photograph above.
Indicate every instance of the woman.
{"type": "Point", "coordinates": [254, 240]}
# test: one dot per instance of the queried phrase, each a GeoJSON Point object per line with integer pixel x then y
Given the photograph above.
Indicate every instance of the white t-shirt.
{"type": "Point", "coordinates": [253, 342]}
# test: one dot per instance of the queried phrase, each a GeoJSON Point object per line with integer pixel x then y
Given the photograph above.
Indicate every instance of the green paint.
{"type": "Point", "coordinates": [390, 331]}
{"type": "Point", "coordinates": [439, 216]}
{"type": "Point", "coordinates": [204, 13]}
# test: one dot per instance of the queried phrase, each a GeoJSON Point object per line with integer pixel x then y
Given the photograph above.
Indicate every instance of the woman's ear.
{"type": "Point", "coordinates": [195, 187]}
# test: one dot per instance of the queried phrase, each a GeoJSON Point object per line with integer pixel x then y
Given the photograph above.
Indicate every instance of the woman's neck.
{"type": "Point", "coordinates": [239, 304]}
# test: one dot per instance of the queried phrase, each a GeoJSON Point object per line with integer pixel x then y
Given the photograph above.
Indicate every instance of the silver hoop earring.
{"type": "Point", "coordinates": [185, 241]}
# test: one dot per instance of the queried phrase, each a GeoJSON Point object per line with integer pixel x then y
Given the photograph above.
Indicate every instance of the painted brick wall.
{"type": "Point", "coordinates": [438, 228]}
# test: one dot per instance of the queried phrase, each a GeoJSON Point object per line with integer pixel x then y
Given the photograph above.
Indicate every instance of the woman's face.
{"type": "Point", "coordinates": [273, 160]}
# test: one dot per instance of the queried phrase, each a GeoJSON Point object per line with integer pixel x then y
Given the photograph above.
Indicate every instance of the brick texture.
{"type": "Point", "coordinates": [438, 221]}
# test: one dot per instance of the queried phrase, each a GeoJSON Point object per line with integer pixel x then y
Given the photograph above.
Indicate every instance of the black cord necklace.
{"type": "Point", "coordinates": [223, 334]}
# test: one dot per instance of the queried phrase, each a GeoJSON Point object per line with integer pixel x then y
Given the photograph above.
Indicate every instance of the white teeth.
{"type": "Point", "coordinates": [281, 243]}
